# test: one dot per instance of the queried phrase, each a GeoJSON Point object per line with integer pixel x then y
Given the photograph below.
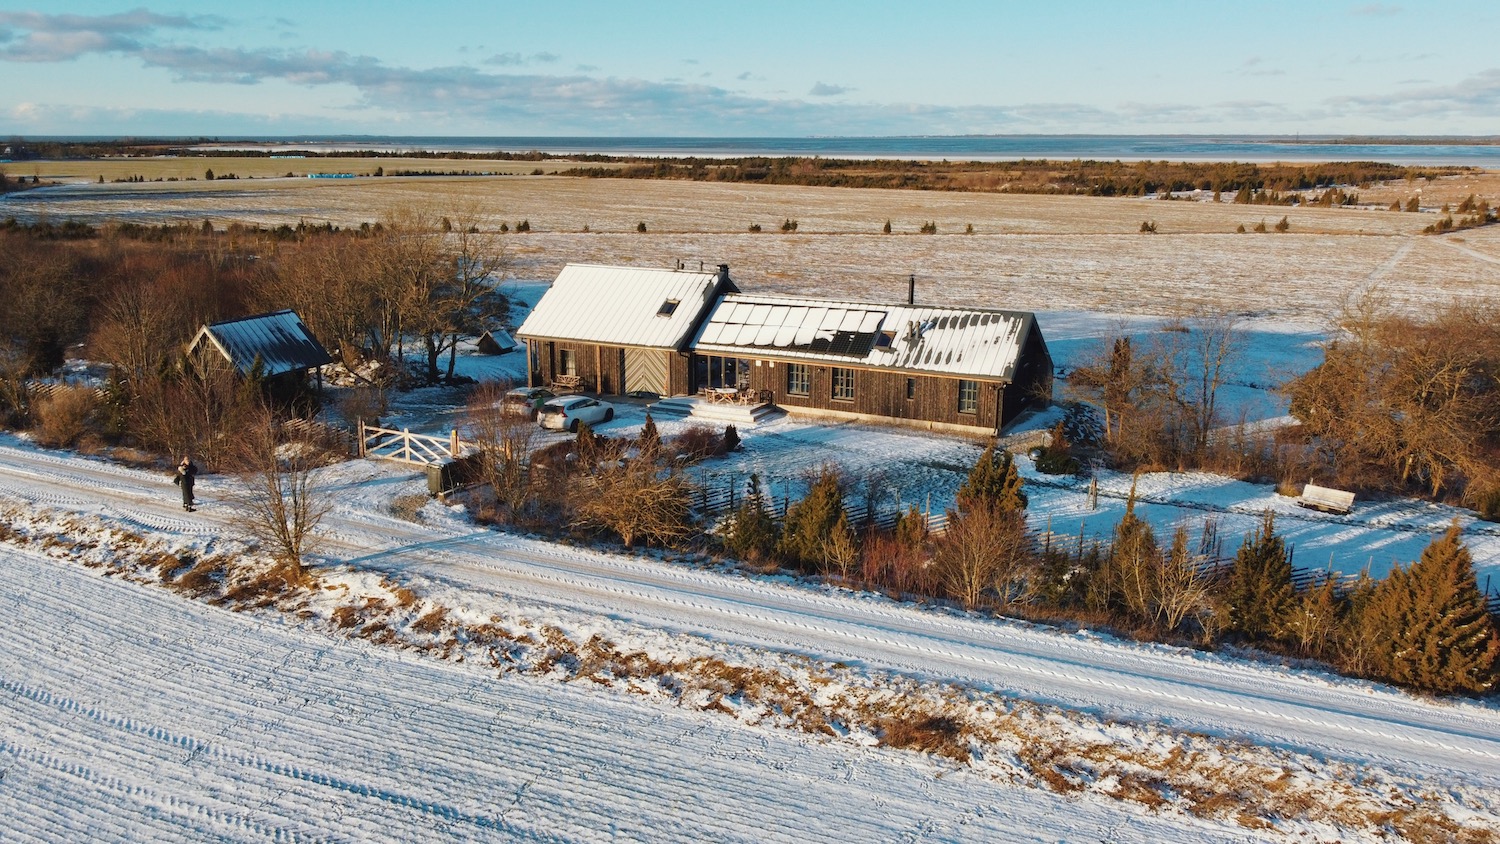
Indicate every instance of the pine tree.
{"type": "Point", "coordinates": [751, 532]}
{"type": "Point", "coordinates": [649, 442]}
{"type": "Point", "coordinates": [992, 484]}
{"type": "Point", "coordinates": [811, 521]}
{"type": "Point", "coordinates": [1129, 569]}
{"type": "Point", "coordinates": [1441, 637]}
{"type": "Point", "coordinates": [1260, 584]}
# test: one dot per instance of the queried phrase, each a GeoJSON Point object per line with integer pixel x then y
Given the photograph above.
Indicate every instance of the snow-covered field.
{"type": "Point", "coordinates": [128, 712]}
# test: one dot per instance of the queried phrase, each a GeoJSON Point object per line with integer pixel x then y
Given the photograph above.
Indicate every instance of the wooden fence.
{"type": "Point", "coordinates": [406, 447]}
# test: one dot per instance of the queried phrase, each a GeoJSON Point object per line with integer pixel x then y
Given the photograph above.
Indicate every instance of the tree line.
{"type": "Point", "coordinates": [1254, 182]}
{"type": "Point", "coordinates": [1425, 626]}
{"type": "Point", "coordinates": [134, 296]}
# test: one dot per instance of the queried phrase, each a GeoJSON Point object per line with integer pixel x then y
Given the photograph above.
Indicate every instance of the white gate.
{"type": "Point", "coordinates": [406, 447]}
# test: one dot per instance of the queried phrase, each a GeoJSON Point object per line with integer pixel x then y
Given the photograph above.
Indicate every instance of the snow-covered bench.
{"type": "Point", "coordinates": [1326, 499]}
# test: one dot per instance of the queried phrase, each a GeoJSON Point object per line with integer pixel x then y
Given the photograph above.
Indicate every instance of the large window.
{"type": "Point", "coordinates": [843, 383]}
{"type": "Point", "coordinates": [797, 383]}
{"type": "Point", "coordinates": [714, 372]}
{"type": "Point", "coordinates": [567, 362]}
{"type": "Point", "coordinates": [968, 396]}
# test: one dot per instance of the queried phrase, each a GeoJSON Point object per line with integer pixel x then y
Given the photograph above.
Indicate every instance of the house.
{"type": "Point", "coordinates": [953, 368]}
{"type": "Point", "coordinates": [961, 369]}
{"type": "Point", "coordinates": [619, 330]}
{"type": "Point", "coordinates": [276, 345]}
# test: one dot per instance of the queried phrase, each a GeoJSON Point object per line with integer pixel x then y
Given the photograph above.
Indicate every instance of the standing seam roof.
{"type": "Point", "coordinates": [280, 341]}
{"type": "Point", "coordinates": [620, 306]}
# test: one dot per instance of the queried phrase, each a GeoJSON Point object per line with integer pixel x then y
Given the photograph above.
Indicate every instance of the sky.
{"type": "Point", "coordinates": [749, 69]}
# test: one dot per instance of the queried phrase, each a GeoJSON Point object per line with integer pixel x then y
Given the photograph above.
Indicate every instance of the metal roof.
{"type": "Point", "coordinates": [280, 341]}
{"type": "Point", "coordinates": [622, 306]}
{"type": "Point", "coordinates": [912, 338]}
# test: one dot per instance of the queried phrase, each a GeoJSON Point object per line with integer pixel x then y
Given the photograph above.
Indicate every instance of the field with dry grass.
{"type": "Point", "coordinates": [1026, 252]}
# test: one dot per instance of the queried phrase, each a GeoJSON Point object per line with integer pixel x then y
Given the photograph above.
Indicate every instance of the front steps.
{"type": "Point", "coordinates": [697, 407]}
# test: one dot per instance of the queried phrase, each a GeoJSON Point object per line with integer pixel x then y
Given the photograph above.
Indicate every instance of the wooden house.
{"type": "Point", "coordinates": [619, 330]}
{"type": "Point", "coordinates": [953, 368]}
{"type": "Point", "coordinates": [673, 333]}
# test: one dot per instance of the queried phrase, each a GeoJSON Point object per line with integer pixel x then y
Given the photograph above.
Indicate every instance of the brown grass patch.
{"type": "Point", "coordinates": [204, 577]}
{"type": "Point", "coordinates": [935, 733]}
{"type": "Point", "coordinates": [432, 622]}
{"type": "Point", "coordinates": [345, 617]}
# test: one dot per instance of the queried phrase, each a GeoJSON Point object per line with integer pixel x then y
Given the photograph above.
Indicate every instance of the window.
{"type": "Point", "coordinates": [567, 362]}
{"type": "Point", "coordinates": [911, 389]}
{"type": "Point", "coordinates": [843, 383]}
{"type": "Point", "coordinates": [714, 372]}
{"type": "Point", "coordinates": [968, 396]}
{"type": "Point", "coordinates": [884, 339]}
{"type": "Point", "coordinates": [667, 308]}
{"type": "Point", "coordinates": [797, 383]}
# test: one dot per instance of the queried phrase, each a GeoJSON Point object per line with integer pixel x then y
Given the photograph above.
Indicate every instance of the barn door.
{"type": "Point", "coordinates": [646, 369]}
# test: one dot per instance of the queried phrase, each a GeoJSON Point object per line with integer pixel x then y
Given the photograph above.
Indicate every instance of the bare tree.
{"type": "Point", "coordinates": [637, 499]}
{"type": "Point", "coordinates": [504, 441]}
{"type": "Point", "coordinates": [984, 549]}
{"type": "Point", "coordinates": [278, 503]}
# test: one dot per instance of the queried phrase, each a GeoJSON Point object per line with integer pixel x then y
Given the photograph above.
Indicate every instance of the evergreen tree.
{"type": "Point", "coordinates": [649, 443]}
{"type": "Point", "coordinates": [1128, 572]}
{"type": "Point", "coordinates": [1260, 584]}
{"type": "Point", "coordinates": [811, 521]}
{"type": "Point", "coordinates": [992, 484]}
{"type": "Point", "coordinates": [751, 532]}
{"type": "Point", "coordinates": [1439, 636]}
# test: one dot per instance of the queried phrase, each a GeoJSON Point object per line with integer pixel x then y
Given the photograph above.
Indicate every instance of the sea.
{"type": "Point", "coordinates": [1247, 148]}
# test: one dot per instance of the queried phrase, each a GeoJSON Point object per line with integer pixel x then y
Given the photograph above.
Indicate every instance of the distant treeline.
{"type": "Point", "coordinates": [73, 150]}
{"type": "Point", "coordinates": [1090, 178]}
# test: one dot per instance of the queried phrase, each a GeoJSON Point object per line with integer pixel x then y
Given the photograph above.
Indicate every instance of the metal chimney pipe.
{"type": "Point", "coordinates": [911, 290]}
{"type": "Point", "coordinates": [723, 272]}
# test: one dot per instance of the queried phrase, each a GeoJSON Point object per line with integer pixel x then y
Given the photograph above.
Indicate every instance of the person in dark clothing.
{"type": "Point", "coordinates": [187, 472]}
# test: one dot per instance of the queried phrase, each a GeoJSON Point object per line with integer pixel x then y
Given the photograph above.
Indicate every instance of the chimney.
{"type": "Point", "coordinates": [723, 272]}
{"type": "Point", "coordinates": [911, 289]}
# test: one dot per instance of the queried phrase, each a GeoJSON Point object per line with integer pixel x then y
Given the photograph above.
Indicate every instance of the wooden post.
{"type": "Point", "coordinates": [361, 431]}
{"type": "Point", "coordinates": [453, 445]}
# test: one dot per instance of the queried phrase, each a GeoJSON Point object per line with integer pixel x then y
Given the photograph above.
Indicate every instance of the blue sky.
{"type": "Point", "coordinates": [762, 68]}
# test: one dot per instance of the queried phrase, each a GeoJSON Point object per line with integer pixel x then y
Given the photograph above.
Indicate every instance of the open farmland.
{"type": "Point", "coordinates": [1029, 252]}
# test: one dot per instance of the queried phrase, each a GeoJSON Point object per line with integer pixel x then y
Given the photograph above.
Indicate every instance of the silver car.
{"type": "Point", "coordinates": [566, 413]}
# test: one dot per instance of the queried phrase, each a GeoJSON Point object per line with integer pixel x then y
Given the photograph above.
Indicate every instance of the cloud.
{"type": "Point", "coordinates": [56, 38]}
{"type": "Point", "coordinates": [516, 59]}
{"type": "Point", "coordinates": [1475, 97]}
{"type": "Point", "coordinates": [1375, 10]}
{"type": "Point", "coordinates": [821, 89]}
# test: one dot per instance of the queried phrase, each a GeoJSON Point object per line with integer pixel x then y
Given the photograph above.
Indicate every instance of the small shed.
{"type": "Point", "coordinates": [279, 343]}
{"type": "Point", "coordinates": [495, 342]}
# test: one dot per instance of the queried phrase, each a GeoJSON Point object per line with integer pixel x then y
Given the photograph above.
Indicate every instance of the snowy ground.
{"type": "Point", "coordinates": [128, 712]}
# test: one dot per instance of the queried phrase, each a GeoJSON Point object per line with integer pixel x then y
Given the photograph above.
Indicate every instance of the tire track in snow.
{"type": "Point", "coordinates": [1124, 680]}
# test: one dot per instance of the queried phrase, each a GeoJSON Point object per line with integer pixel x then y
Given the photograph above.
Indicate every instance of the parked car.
{"type": "Point", "coordinates": [524, 401]}
{"type": "Point", "coordinates": [566, 413]}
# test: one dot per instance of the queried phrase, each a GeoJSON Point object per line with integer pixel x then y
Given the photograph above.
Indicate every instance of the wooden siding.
{"type": "Point", "coordinates": [602, 368]}
{"type": "Point", "coordinates": [881, 393]}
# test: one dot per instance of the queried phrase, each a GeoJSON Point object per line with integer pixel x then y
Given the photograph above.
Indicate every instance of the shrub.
{"type": "Point", "coordinates": [929, 227]}
{"type": "Point", "coordinates": [696, 442]}
{"type": "Point", "coordinates": [641, 227]}
{"type": "Point", "coordinates": [1261, 227]}
{"type": "Point", "coordinates": [789, 226]}
{"type": "Point", "coordinates": [755, 228]}
{"type": "Point", "coordinates": [64, 416]}
{"type": "Point", "coordinates": [1148, 227]}
{"type": "Point", "coordinates": [1283, 225]}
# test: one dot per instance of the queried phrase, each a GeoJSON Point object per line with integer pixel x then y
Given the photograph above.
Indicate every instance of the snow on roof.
{"type": "Point", "coordinates": [952, 341]}
{"type": "Point", "coordinates": [280, 341]}
{"type": "Point", "coordinates": [622, 306]}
